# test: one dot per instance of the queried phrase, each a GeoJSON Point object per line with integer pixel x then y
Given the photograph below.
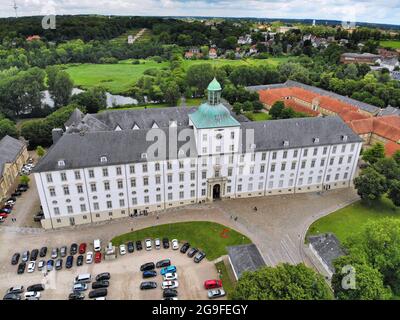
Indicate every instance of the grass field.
{"type": "Point", "coordinates": [212, 238]}
{"type": "Point", "coordinates": [228, 282]}
{"type": "Point", "coordinates": [115, 78]}
{"type": "Point", "coordinates": [352, 219]}
{"type": "Point", "coordinates": [259, 116]}
{"type": "Point", "coordinates": [390, 44]}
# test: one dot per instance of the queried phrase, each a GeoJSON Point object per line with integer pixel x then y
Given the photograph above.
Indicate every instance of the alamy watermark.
{"type": "Point", "coordinates": [49, 15]}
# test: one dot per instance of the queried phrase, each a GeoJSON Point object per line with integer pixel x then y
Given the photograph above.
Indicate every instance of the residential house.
{"type": "Point", "coordinates": [367, 58]}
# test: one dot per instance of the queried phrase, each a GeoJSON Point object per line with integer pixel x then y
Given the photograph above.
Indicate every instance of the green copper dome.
{"type": "Point", "coordinates": [214, 85]}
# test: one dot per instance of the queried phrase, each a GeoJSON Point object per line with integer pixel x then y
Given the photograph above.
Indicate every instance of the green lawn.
{"type": "Point", "coordinates": [212, 238]}
{"type": "Point", "coordinates": [227, 279]}
{"type": "Point", "coordinates": [390, 44]}
{"type": "Point", "coordinates": [258, 116]}
{"type": "Point", "coordinates": [192, 102]}
{"type": "Point", "coordinates": [351, 220]}
{"type": "Point", "coordinates": [115, 78]}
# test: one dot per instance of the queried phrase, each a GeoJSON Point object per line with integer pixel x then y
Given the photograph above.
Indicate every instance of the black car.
{"type": "Point", "coordinates": [74, 249]}
{"type": "Point", "coordinates": [12, 296]}
{"type": "Point", "coordinates": [131, 247]}
{"type": "Point", "coordinates": [70, 262]}
{"type": "Point", "coordinates": [185, 247]}
{"type": "Point", "coordinates": [43, 252]}
{"type": "Point", "coordinates": [21, 268]}
{"type": "Point", "coordinates": [15, 258]}
{"type": "Point", "coordinates": [147, 266]}
{"type": "Point", "coordinates": [12, 198]}
{"type": "Point", "coordinates": [149, 274]}
{"type": "Point", "coordinates": [103, 276]}
{"type": "Point", "coordinates": [22, 189]}
{"type": "Point", "coordinates": [163, 263]}
{"type": "Point", "coordinates": [192, 252]}
{"type": "Point", "coordinates": [148, 285]}
{"type": "Point", "coordinates": [199, 256]}
{"type": "Point", "coordinates": [76, 296]}
{"type": "Point", "coordinates": [139, 245]}
{"type": "Point", "coordinates": [59, 264]}
{"type": "Point", "coordinates": [38, 217]}
{"type": "Point", "coordinates": [170, 293]}
{"type": "Point", "coordinates": [165, 243]}
{"type": "Point", "coordinates": [16, 194]}
{"type": "Point", "coordinates": [79, 260]}
{"type": "Point", "coordinates": [34, 254]}
{"type": "Point", "coordinates": [35, 287]}
{"type": "Point", "coordinates": [97, 293]}
{"type": "Point", "coordinates": [100, 284]}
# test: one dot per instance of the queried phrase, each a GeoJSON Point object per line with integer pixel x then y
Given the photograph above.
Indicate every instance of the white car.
{"type": "Point", "coordinates": [97, 245]}
{"type": "Point", "coordinates": [41, 265]}
{"type": "Point", "coordinates": [170, 276]}
{"type": "Point", "coordinates": [31, 266]}
{"type": "Point", "coordinates": [147, 244]}
{"type": "Point", "coordinates": [170, 285]}
{"type": "Point", "coordinates": [157, 244]}
{"type": "Point", "coordinates": [216, 293]}
{"type": "Point", "coordinates": [122, 249]}
{"type": "Point", "coordinates": [175, 244]}
{"type": "Point", "coordinates": [32, 295]}
{"type": "Point", "coordinates": [89, 257]}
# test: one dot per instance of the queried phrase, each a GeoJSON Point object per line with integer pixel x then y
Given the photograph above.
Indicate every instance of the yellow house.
{"type": "Point", "coordinates": [13, 155]}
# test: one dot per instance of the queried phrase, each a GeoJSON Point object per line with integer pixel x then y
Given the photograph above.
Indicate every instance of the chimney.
{"type": "Point", "coordinates": [56, 134]}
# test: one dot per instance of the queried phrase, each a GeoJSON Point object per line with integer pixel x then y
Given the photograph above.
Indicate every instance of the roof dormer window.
{"type": "Point", "coordinates": [344, 138]}
{"type": "Point", "coordinates": [103, 159]}
{"type": "Point", "coordinates": [316, 140]}
{"type": "Point", "coordinates": [286, 143]}
{"type": "Point", "coordinates": [144, 156]}
{"type": "Point", "coordinates": [61, 163]}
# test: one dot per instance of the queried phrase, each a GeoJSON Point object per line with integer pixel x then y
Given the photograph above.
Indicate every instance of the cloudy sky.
{"type": "Point", "coordinates": [379, 11]}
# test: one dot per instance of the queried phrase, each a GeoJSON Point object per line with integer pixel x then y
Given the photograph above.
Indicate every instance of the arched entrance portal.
{"type": "Point", "coordinates": [217, 192]}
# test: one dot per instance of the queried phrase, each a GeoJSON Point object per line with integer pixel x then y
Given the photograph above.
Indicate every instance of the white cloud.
{"type": "Point", "coordinates": [381, 11]}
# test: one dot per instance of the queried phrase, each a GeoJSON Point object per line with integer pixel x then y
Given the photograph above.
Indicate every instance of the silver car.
{"type": "Point", "coordinates": [54, 253]}
{"type": "Point", "coordinates": [216, 293]}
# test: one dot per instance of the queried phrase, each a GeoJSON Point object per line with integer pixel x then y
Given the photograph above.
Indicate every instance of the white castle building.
{"type": "Point", "coordinates": [120, 163]}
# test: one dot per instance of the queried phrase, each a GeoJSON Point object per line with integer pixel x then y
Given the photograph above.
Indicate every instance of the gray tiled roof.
{"type": "Point", "coordinates": [75, 117]}
{"type": "Point", "coordinates": [389, 111]}
{"type": "Point", "coordinates": [362, 105]}
{"type": "Point", "coordinates": [245, 258]}
{"type": "Point", "coordinates": [10, 148]}
{"type": "Point", "coordinates": [299, 132]}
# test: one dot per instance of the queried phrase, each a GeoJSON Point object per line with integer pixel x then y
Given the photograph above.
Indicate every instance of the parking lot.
{"type": "Point", "coordinates": [126, 276]}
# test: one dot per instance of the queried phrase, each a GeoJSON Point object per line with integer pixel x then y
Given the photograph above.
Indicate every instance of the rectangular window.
{"type": "Point", "coordinates": [240, 170]}
{"type": "Point", "coordinates": [343, 148]}
{"type": "Point", "coordinates": [274, 155]}
{"type": "Point", "coordinates": [158, 179]}
{"type": "Point", "coordinates": [70, 209]}
{"type": "Point", "coordinates": [291, 183]}
{"type": "Point", "coordinates": [158, 197]}
{"type": "Point", "coordinates": [77, 175]}
{"type": "Point", "coordinates": [79, 189]}
{"type": "Point", "coordinates": [63, 176]}
{"type": "Point", "coordinates": [145, 181]}
{"type": "Point", "coordinates": [170, 196]}
{"type": "Point", "coordinates": [144, 167]}
{"type": "Point", "coordinates": [313, 163]}
{"type": "Point", "coordinates": [192, 175]}
{"type": "Point", "coordinates": [91, 173]}
{"type": "Point", "coordinates": [133, 183]}
{"type": "Point", "coordinates": [331, 161]}
{"type": "Point", "coordinates": [340, 160]}
{"type": "Point", "coordinates": [121, 203]}
{"type": "Point", "coordinates": [109, 204]}
{"type": "Point", "coordinates": [181, 194]}
{"type": "Point", "coordinates": [260, 186]}
{"type": "Point", "coordinates": [293, 165]}
{"type": "Point", "coordinates": [283, 166]}
{"type": "Point", "coordinates": [315, 151]}
{"type": "Point", "coordinates": [120, 184]}
{"type": "Point", "coordinates": [169, 165]}
{"type": "Point", "coordinates": [49, 177]}
{"type": "Point", "coordinates": [52, 192]}
{"type": "Point", "coordinates": [204, 138]}
{"type": "Point", "coordinates": [203, 192]}
{"type": "Point", "coordinates": [309, 180]}
{"type": "Point", "coordinates": [346, 175]}
{"type": "Point", "coordinates": [337, 177]}
{"type": "Point", "coordinates": [134, 201]}
{"type": "Point", "coordinates": [353, 146]}
{"type": "Point", "coordinates": [56, 211]}
{"type": "Point", "coordinates": [295, 153]}
{"type": "Point", "coordinates": [328, 177]}
{"type": "Point", "coordinates": [334, 149]}
{"type": "Point", "coordinates": [262, 168]}
{"type": "Point", "coordinates": [204, 174]}
{"type": "Point", "coordinates": [118, 171]}
{"type": "Point", "coordinates": [132, 169]}
{"type": "Point", "coordinates": [66, 190]}
{"type": "Point", "coordinates": [181, 177]}
{"type": "Point", "coordinates": [192, 193]}
{"type": "Point", "coordinates": [349, 159]}
{"type": "Point", "coordinates": [231, 159]}
{"type": "Point", "coordinates": [322, 162]}
{"type": "Point", "coordinates": [325, 151]}
{"type": "Point", "coordinates": [181, 165]}
{"type": "Point", "coordinates": [83, 207]}
{"type": "Point", "coordinates": [228, 189]}
{"type": "Point", "coordinates": [169, 178]}
{"type": "Point", "coordinates": [305, 152]}
{"type": "Point", "coordinates": [319, 179]}
{"type": "Point", "coordinates": [263, 156]}
{"type": "Point", "coordinates": [239, 187]}
{"type": "Point", "coordinates": [303, 164]}
{"type": "Point", "coordinates": [300, 182]}
{"type": "Point", "coordinates": [250, 187]}
{"type": "Point", "coordinates": [106, 185]}
{"type": "Point", "coordinates": [157, 166]}
{"type": "Point", "coordinates": [230, 171]}
{"type": "Point", "coordinates": [273, 167]}
{"type": "Point", "coordinates": [93, 187]}
{"type": "Point", "coordinates": [284, 154]}
{"type": "Point", "coordinates": [270, 185]}
{"type": "Point", "coordinates": [232, 134]}
{"type": "Point", "coordinates": [96, 206]}
{"type": "Point", "coordinates": [105, 172]}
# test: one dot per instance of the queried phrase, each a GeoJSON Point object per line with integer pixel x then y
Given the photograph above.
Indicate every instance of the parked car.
{"type": "Point", "coordinates": [12, 296]}
{"type": "Point", "coordinates": [165, 243]}
{"type": "Point", "coordinates": [89, 257]}
{"type": "Point", "coordinates": [32, 295]}
{"type": "Point", "coordinates": [16, 194]}
{"type": "Point", "coordinates": [97, 245]}
{"type": "Point", "coordinates": [63, 251]}
{"type": "Point", "coordinates": [2, 218]}
{"type": "Point", "coordinates": [97, 257]}
{"type": "Point", "coordinates": [100, 284]}
{"type": "Point", "coordinates": [76, 296]}
{"type": "Point", "coordinates": [163, 263]}
{"type": "Point", "coordinates": [16, 290]}
{"type": "Point", "coordinates": [149, 274]}
{"type": "Point", "coordinates": [73, 249]}
{"type": "Point", "coordinates": [169, 269]}
{"type": "Point", "coordinates": [12, 198]}
{"type": "Point", "coordinates": [147, 244]}
{"type": "Point", "coordinates": [79, 260]}
{"type": "Point", "coordinates": [78, 287]}
{"type": "Point", "coordinates": [82, 248]}
{"type": "Point", "coordinates": [216, 293]}
{"type": "Point", "coordinates": [34, 254]}
{"type": "Point", "coordinates": [41, 265]}
{"type": "Point", "coordinates": [212, 284]}
{"type": "Point", "coordinates": [170, 293]}
{"type": "Point", "coordinates": [147, 266]}
{"type": "Point", "coordinates": [43, 252]}
{"type": "Point", "coordinates": [97, 293]}
{"type": "Point", "coordinates": [54, 253]}
{"type": "Point", "coordinates": [50, 265]}
{"type": "Point", "coordinates": [70, 262]}
{"type": "Point", "coordinates": [170, 276]}
{"type": "Point", "coordinates": [131, 247]}
{"type": "Point", "coordinates": [148, 285]}
{"type": "Point", "coordinates": [36, 287]}
{"type": "Point", "coordinates": [21, 268]}
{"type": "Point", "coordinates": [25, 256]}
{"type": "Point", "coordinates": [175, 244]}
{"type": "Point", "coordinates": [199, 256]}
{"type": "Point", "coordinates": [169, 284]}
{"type": "Point", "coordinates": [83, 278]}
{"type": "Point", "coordinates": [31, 266]}
{"type": "Point", "coordinates": [15, 258]}
{"type": "Point", "coordinates": [103, 276]}
{"type": "Point", "coordinates": [139, 245]}
{"type": "Point", "coordinates": [192, 252]}
{"type": "Point", "coordinates": [59, 264]}
{"type": "Point", "coordinates": [157, 244]}
{"type": "Point", "coordinates": [122, 250]}
{"type": "Point", "coordinates": [185, 247]}
{"type": "Point", "coordinates": [38, 217]}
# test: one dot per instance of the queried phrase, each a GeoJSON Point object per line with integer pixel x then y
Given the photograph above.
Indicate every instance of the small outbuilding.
{"type": "Point", "coordinates": [243, 258]}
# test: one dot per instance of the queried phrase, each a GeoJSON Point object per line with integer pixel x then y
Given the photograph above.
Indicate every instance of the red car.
{"type": "Point", "coordinates": [4, 215]}
{"type": "Point", "coordinates": [82, 248]}
{"type": "Point", "coordinates": [97, 257]}
{"type": "Point", "coordinates": [212, 284]}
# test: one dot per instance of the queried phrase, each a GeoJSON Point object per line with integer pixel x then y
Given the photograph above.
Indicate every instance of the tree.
{"type": "Point", "coordinates": [388, 167]}
{"type": "Point", "coordinates": [370, 184]}
{"type": "Point", "coordinates": [258, 106]}
{"type": "Point", "coordinates": [247, 106]}
{"type": "Point", "coordinates": [373, 154]}
{"type": "Point", "coordinates": [24, 179]}
{"type": "Point", "coordinates": [237, 107]}
{"type": "Point", "coordinates": [62, 89]}
{"type": "Point", "coordinates": [284, 282]}
{"type": "Point", "coordinates": [94, 99]}
{"type": "Point", "coordinates": [276, 109]}
{"type": "Point", "coordinates": [396, 157]}
{"type": "Point", "coordinates": [7, 127]}
{"type": "Point", "coordinates": [394, 192]}
{"type": "Point", "coordinates": [40, 151]}
{"type": "Point", "coordinates": [199, 76]}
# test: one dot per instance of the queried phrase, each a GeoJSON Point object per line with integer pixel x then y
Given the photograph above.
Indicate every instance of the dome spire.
{"type": "Point", "coordinates": [214, 92]}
